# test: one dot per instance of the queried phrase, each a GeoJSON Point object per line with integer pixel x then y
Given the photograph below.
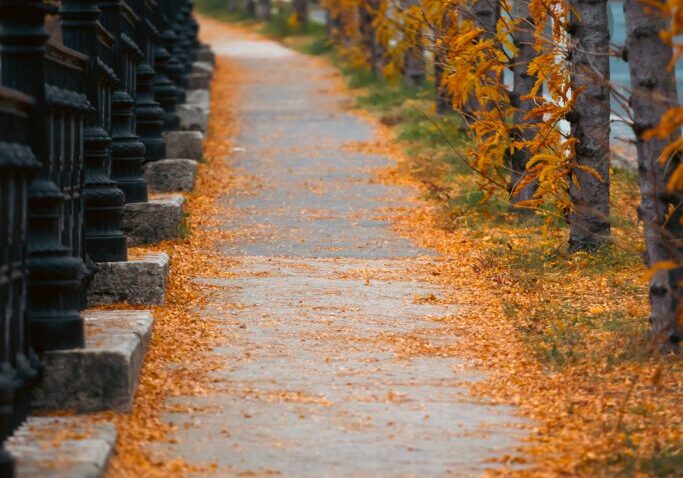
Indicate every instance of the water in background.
{"type": "Point", "coordinates": [618, 71]}
{"type": "Point", "coordinates": [619, 68]}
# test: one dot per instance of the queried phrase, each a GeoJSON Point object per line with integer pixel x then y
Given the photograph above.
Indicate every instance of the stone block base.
{"type": "Point", "coordinates": [206, 54]}
{"type": "Point", "coordinates": [185, 144]}
{"type": "Point", "coordinates": [160, 219]}
{"type": "Point", "coordinates": [103, 375]}
{"type": "Point", "coordinates": [62, 447]}
{"type": "Point", "coordinates": [140, 281]}
{"type": "Point", "coordinates": [201, 98]}
{"type": "Point", "coordinates": [171, 175]}
{"type": "Point", "coordinates": [193, 117]}
{"type": "Point", "coordinates": [203, 67]}
{"type": "Point", "coordinates": [197, 81]}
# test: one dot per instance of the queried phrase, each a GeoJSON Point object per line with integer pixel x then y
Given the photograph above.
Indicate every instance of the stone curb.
{"type": "Point", "coordinates": [198, 81]}
{"type": "Point", "coordinates": [137, 282]}
{"type": "Point", "coordinates": [171, 175]}
{"type": "Point", "coordinates": [193, 117]}
{"type": "Point", "coordinates": [160, 219]}
{"type": "Point", "coordinates": [200, 97]}
{"type": "Point", "coordinates": [103, 375]}
{"type": "Point", "coordinates": [205, 54]}
{"type": "Point", "coordinates": [185, 144]}
{"type": "Point", "coordinates": [62, 447]}
{"type": "Point", "coordinates": [203, 67]}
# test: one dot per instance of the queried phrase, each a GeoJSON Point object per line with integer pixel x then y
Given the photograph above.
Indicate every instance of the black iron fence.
{"type": "Point", "coordinates": [86, 90]}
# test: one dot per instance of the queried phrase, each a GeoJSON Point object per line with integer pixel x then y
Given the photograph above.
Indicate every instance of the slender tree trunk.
{"type": "Point", "coordinates": [301, 11]}
{"type": "Point", "coordinates": [341, 23]}
{"type": "Point", "coordinates": [349, 24]}
{"type": "Point", "coordinates": [589, 70]}
{"type": "Point", "coordinates": [444, 101]}
{"type": "Point", "coordinates": [653, 93]}
{"type": "Point", "coordinates": [233, 6]}
{"type": "Point", "coordinates": [522, 85]}
{"type": "Point", "coordinates": [263, 10]}
{"type": "Point", "coordinates": [250, 7]}
{"type": "Point", "coordinates": [332, 25]}
{"type": "Point", "coordinates": [372, 48]}
{"type": "Point", "coordinates": [485, 14]}
{"type": "Point", "coordinates": [414, 60]}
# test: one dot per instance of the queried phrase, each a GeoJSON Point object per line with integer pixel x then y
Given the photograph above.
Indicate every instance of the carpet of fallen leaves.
{"type": "Point", "coordinates": [601, 403]}
{"type": "Point", "coordinates": [177, 362]}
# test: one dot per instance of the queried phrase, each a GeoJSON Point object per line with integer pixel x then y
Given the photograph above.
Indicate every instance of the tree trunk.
{"type": "Point", "coordinates": [589, 71]}
{"type": "Point", "coordinates": [653, 93]}
{"type": "Point", "coordinates": [373, 49]}
{"type": "Point", "coordinates": [485, 14]}
{"type": "Point", "coordinates": [522, 84]}
{"type": "Point", "coordinates": [233, 6]}
{"type": "Point", "coordinates": [444, 101]}
{"type": "Point", "coordinates": [263, 10]}
{"type": "Point", "coordinates": [301, 11]}
{"type": "Point", "coordinates": [413, 60]}
{"type": "Point", "coordinates": [332, 26]}
{"type": "Point", "coordinates": [250, 7]}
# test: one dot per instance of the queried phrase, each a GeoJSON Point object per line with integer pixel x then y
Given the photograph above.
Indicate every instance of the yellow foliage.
{"type": "Point", "coordinates": [293, 21]}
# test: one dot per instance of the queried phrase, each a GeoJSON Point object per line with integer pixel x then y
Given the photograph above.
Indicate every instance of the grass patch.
{"type": "Point", "coordinates": [280, 25]}
{"type": "Point", "coordinates": [218, 10]}
{"type": "Point", "coordinates": [667, 462]}
{"type": "Point", "coordinates": [185, 229]}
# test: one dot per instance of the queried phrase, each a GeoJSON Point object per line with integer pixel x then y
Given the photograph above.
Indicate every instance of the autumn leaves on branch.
{"type": "Point", "coordinates": [544, 140]}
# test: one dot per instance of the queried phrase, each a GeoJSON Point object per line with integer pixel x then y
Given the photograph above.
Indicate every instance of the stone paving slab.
{"type": "Point", "coordinates": [337, 360]}
{"type": "Point", "coordinates": [313, 388]}
{"type": "Point", "coordinates": [63, 447]}
{"type": "Point", "coordinates": [103, 375]}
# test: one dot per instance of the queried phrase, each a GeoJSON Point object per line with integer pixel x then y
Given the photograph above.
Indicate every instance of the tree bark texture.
{"type": "Point", "coordinates": [346, 21]}
{"type": "Point", "coordinates": [301, 11]}
{"type": "Point", "coordinates": [589, 71]}
{"type": "Point", "coordinates": [653, 93]}
{"type": "Point", "coordinates": [332, 26]}
{"type": "Point", "coordinates": [263, 10]}
{"type": "Point", "coordinates": [444, 101]}
{"type": "Point", "coordinates": [250, 7]}
{"type": "Point", "coordinates": [373, 49]}
{"type": "Point", "coordinates": [413, 60]}
{"type": "Point", "coordinates": [485, 14]}
{"type": "Point", "coordinates": [523, 36]}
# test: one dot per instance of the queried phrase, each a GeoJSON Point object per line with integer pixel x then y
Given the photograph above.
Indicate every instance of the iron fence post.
{"type": "Point", "coordinates": [54, 274]}
{"type": "Point", "coordinates": [103, 199]}
{"type": "Point", "coordinates": [148, 112]}
{"type": "Point", "coordinates": [165, 91]}
{"type": "Point", "coordinates": [127, 151]}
